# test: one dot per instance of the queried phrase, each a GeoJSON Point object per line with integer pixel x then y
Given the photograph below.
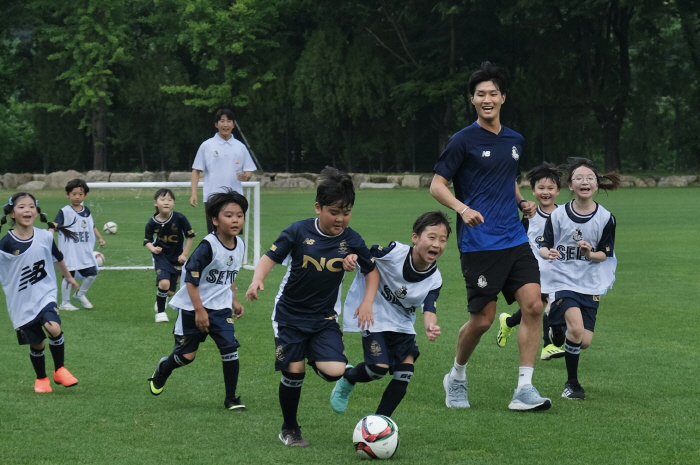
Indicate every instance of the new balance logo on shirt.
{"type": "Point", "coordinates": [32, 275]}
{"type": "Point", "coordinates": [485, 153]}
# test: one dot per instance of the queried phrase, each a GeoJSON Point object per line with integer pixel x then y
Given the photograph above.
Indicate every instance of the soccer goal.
{"type": "Point", "coordinates": [130, 205]}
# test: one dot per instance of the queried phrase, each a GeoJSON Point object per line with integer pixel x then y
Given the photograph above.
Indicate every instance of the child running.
{"type": "Point", "coordinates": [170, 228]}
{"type": "Point", "coordinates": [579, 242]}
{"type": "Point", "coordinates": [408, 280]}
{"type": "Point", "coordinates": [204, 304]}
{"type": "Point", "coordinates": [546, 184]}
{"type": "Point", "coordinates": [78, 252]}
{"type": "Point", "coordinates": [305, 315]}
{"type": "Point", "coordinates": [29, 282]}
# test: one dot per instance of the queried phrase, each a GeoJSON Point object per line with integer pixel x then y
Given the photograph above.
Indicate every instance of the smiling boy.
{"type": "Point", "coordinates": [408, 281]}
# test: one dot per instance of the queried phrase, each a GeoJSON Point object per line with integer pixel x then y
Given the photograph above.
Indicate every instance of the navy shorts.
{"type": "Point", "coordinates": [85, 272]}
{"type": "Point", "coordinates": [564, 300]}
{"type": "Point", "coordinates": [488, 272]}
{"type": "Point", "coordinates": [33, 332]}
{"type": "Point", "coordinates": [388, 348]}
{"type": "Point", "coordinates": [323, 343]}
{"type": "Point", "coordinates": [220, 329]}
{"type": "Point", "coordinates": [165, 269]}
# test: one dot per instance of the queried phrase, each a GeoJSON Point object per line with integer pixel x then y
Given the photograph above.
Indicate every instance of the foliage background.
{"type": "Point", "coordinates": [365, 85]}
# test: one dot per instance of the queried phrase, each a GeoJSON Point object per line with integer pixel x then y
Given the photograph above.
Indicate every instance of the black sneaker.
{"type": "Point", "coordinates": [157, 382]}
{"type": "Point", "coordinates": [573, 390]}
{"type": "Point", "coordinates": [235, 404]}
{"type": "Point", "coordinates": [292, 437]}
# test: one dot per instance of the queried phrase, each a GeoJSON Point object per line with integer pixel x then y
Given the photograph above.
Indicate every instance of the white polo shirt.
{"type": "Point", "coordinates": [221, 160]}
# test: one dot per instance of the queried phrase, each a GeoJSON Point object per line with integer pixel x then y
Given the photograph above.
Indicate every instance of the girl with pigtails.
{"type": "Point", "coordinates": [579, 243]}
{"type": "Point", "coordinates": [29, 282]}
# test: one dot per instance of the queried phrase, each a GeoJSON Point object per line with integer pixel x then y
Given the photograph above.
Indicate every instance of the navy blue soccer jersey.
{"type": "Point", "coordinates": [170, 235]}
{"type": "Point", "coordinates": [483, 167]}
{"type": "Point", "coordinates": [311, 286]}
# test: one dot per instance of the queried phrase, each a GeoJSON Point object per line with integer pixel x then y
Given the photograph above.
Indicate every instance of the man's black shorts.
{"type": "Point", "coordinates": [486, 273]}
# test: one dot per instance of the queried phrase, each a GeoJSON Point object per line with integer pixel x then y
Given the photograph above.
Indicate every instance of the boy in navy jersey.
{"type": "Point", "coordinates": [169, 253]}
{"type": "Point", "coordinates": [408, 280]}
{"type": "Point", "coordinates": [482, 161]}
{"type": "Point", "coordinates": [205, 304]}
{"type": "Point", "coordinates": [546, 184]}
{"type": "Point", "coordinates": [305, 315]}
{"type": "Point", "coordinates": [78, 252]}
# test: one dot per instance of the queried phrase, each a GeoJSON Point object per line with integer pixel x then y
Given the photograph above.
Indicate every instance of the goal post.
{"type": "Point", "coordinates": [251, 234]}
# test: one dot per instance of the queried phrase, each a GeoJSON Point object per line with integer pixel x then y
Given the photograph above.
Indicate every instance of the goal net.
{"type": "Point", "coordinates": [130, 205]}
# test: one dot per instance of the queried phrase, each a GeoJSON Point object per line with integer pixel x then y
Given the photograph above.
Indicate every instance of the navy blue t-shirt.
{"type": "Point", "coordinates": [483, 167]}
{"type": "Point", "coordinates": [310, 288]}
{"type": "Point", "coordinates": [170, 235]}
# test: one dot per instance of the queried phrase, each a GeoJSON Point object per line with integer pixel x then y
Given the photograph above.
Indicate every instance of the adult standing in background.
{"type": "Point", "coordinates": [224, 161]}
{"type": "Point", "coordinates": [482, 161]}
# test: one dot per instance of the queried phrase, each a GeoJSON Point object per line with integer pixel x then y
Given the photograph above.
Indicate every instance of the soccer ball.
{"type": "Point", "coordinates": [376, 437]}
{"type": "Point", "coordinates": [99, 258]}
{"type": "Point", "coordinates": [110, 227]}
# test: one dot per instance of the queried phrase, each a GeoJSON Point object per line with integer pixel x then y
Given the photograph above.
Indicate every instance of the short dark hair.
{"type": "Point", "coordinates": [162, 192]}
{"type": "Point", "coordinates": [219, 200]}
{"type": "Point", "coordinates": [488, 72]}
{"type": "Point", "coordinates": [544, 171]}
{"type": "Point", "coordinates": [224, 112]}
{"type": "Point", "coordinates": [431, 219]}
{"type": "Point", "coordinates": [336, 187]}
{"type": "Point", "coordinates": [77, 183]}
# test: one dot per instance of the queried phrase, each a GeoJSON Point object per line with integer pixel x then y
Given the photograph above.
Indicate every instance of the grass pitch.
{"type": "Point", "coordinates": [639, 374]}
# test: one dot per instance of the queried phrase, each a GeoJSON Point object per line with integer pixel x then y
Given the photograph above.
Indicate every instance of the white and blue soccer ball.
{"type": "Point", "coordinates": [376, 437]}
{"type": "Point", "coordinates": [110, 227]}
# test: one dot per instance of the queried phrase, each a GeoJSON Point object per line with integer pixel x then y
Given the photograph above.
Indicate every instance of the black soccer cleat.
{"type": "Point", "coordinates": [573, 390]}
{"type": "Point", "coordinates": [235, 404]}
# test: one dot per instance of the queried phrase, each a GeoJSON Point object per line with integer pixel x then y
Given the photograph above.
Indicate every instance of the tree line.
{"type": "Point", "coordinates": [365, 85]}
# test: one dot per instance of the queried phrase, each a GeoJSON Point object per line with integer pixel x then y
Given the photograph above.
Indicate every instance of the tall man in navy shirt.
{"type": "Point", "coordinates": [482, 161]}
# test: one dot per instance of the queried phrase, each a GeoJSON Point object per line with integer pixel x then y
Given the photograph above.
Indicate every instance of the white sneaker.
{"type": "Point", "coordinates": [455, 392]}
{"type": "Point", "coordinates": [161, 317]}
{"type": "Point", "coordinates": [67, 306]}
{"type": "Point", "coordinates": [82, 300]}
{"type": "Point", "coordinates": [527, 398]}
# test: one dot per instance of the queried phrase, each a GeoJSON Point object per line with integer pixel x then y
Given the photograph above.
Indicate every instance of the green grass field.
{"type": "Point", "coordinates": [640, 373]}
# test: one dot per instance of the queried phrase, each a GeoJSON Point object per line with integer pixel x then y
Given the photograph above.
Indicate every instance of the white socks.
{"type": "Point", "coordinates": [85, 285]}
{"type": "Point", "coordinates": [65, 291]}
{"type": "Point", "coordinates": [458, 372]}
{"type": "Point", "coordinates": [524, 376]}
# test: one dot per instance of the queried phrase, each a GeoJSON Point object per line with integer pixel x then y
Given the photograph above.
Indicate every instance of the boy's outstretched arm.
{"type": "Point", "coordinates": [201, 317]}
{"type": "Point", "coordinates": [263, 268]}
{"type": "Point", "coordinates": [432, 330]}
{"type": "Point", "coordinates": [365, 319]}
{"type": "Point", "coordinates": [99, 237]}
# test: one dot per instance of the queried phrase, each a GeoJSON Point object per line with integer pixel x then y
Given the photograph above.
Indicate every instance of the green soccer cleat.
{"type": "Point", "coordinates": [340, 395]}
{"type": "Point", "coordinates": [503, 330]}
{"type": "Point", "coordinates": [551, 351]}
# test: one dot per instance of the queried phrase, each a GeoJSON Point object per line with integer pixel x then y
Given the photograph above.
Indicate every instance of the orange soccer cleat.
{"type": "Point", "coordinates": [42, 385]}
{"type": "Point", "coordinates": [63, 376]}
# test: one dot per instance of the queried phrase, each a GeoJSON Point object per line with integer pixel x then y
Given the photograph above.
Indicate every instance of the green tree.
{"type": "Point", "coordinates": [91, 39]}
